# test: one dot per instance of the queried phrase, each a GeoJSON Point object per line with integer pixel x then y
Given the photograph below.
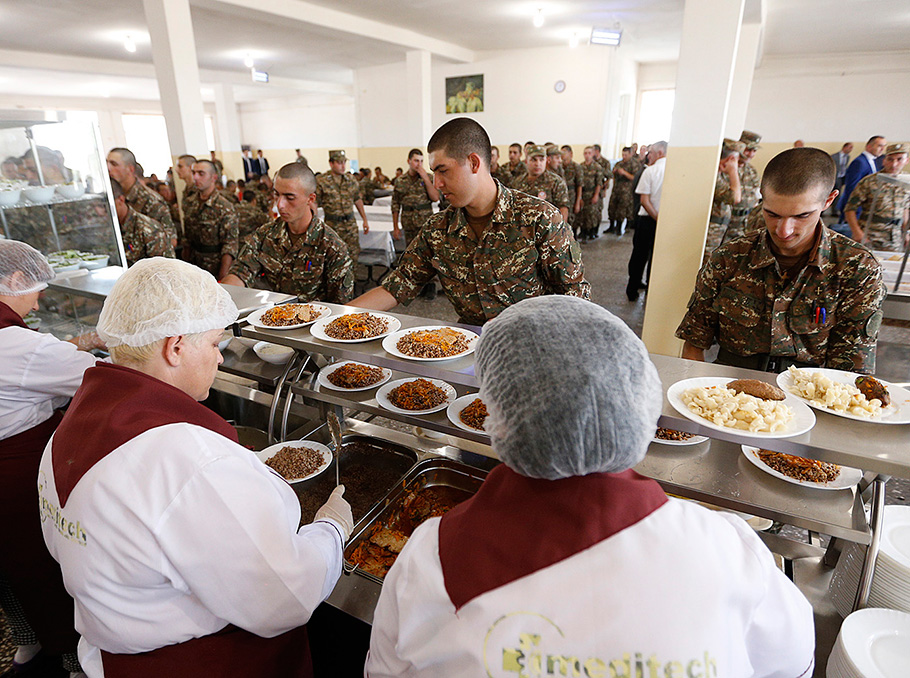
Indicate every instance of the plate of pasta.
{"type": "Point", "coordinates": [708, 401]}
{"type": "Point", "coordinates": [837, 392]}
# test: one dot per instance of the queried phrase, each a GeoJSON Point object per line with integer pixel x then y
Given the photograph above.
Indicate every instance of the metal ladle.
{"type": "Point", "coordinates": [335, 430]}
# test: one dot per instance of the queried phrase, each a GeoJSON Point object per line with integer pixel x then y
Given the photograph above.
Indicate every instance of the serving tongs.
{"type": "Point", "coordinates": [335, 430]}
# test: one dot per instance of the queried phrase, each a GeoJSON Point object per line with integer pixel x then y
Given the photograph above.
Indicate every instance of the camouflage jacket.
{"type": "Point", "coordinates": [249, 218]}
{"type": "Point", "coordinates": [316, 268]}
{"type": "Point", "coordinates": [723, 199]}
{"type": "Point", "coordinates": [264, 202]}
{"type": "Point", "coordinates": [548, 186]}
{"type": "Point", "coordinates": [514, 172]}
{"type": "Point", "coordinates": [744, 302]}
{"type": "Point", "coordinates": [592, 176]}
{"type": "Point", "coordinates": [411, 192]}
{"type": "Point", "coordinates": [144, 237]}
{"type": "Point", "coordinates": [148, 202]}
{"type": "Point", "coordinates": [367, 188]}
{"type": "Point", "coordinates": [750, 185]}
{"type": "Point", "coordinates": [210, 224]}
{"type": "Point", "coordinates": [607, 168]}
{"type": "Point", "coordinates": [884, 233]}
{"type": "Point", "coordinates": [501, 174]}
{"type": "Point", "coordinates": [526, 251]}
{"type": "Point", "coordinates": [573, 174]}
{"type": "Point", "coordinates": [336, 195]}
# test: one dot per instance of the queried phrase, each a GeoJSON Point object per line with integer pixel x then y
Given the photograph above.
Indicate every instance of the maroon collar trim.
{"type": "Point", "coordinates": [515, 526]}
{"type": "Point", "coordinates": [9, 318]}
{"type": "Point", "coordinates": [113, 405]}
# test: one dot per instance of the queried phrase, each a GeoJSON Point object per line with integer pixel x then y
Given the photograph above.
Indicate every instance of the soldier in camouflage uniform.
{"type": "Point", "coordinates": [368, 186]}
{"type": "Point", "coordinates": [413, 198]}
{"type": "Point", "coordinates": [495, 170]}
{"type": "Point", "coordinates": [749, 187]}
{"type": "Point", "coordinates": [185, 172]}
{"type": "Point", "coordinates": [540, 182]}
{"type": "Point", "coordinates": [516, 166]}
{"type": "Point", "coordinates": [622, 206]}
{"type": "Point", "coordinates": [608, 175]}
{"type": "Point", "coordinates": [121, 165]}
{"type": "Point", "coordinates": [592, 181]}
{"type": "Point", "coordinates": [249, 216]}
{"type": "Point", "coordinates": [337, 194]}
{"type": "Point", "coordinates": [142, 236]}
{"type": "Point", "coordinates": [795, 293]}
{"type": "Point", "coordinates": [572, 174]}
{"type": "Point", "coordinates": [210, 224]}
{"type": "Point", "coordinates": [727, 191]}
{"type": "Point", "coordinates": [554, 161]}
{"type": "Point", "coordinates": [887, 230]}
{"type": "Point", "coordinates": [296, 253]}
{"type": "Point", "coordinates": [491, 248]}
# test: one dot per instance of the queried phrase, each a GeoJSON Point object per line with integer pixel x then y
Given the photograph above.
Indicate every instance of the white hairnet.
{"type": "Point", "coordinates": [19, 257]}
{"type": "Point", "coordinates": [569, 388]}
{"type": "Point", "coordinates": [158, 298]}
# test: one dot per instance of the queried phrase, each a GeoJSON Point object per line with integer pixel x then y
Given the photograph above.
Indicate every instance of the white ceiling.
{"type": "Point", "coordinates": [290, 49]}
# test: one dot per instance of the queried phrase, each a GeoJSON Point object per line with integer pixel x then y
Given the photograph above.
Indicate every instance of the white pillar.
{"type": "Point", "coordinates": [706, 57]}
{"type": "Point", "coordinates": [111, 125]}
{"type": "Point", "coordinates": [419, 99]}
{"type": "Point", "coordinates": [174, 56]}
{"type": "Point", "coordinates": [743, 72]}
{"type": "Point", "coordinates": [227, 130]}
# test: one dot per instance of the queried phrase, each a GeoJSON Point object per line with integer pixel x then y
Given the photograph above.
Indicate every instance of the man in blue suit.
{"type": "Point", "coordinates": [862, 165]}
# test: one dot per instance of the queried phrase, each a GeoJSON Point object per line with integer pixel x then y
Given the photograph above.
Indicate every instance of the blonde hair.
{"type": "Point", "coordinates": [138, 356]}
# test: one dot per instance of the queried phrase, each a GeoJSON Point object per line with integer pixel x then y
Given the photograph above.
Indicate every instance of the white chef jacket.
{"type": "Point", "coordinates": [177, 533]}
{"type": "Point", "coordinates": [39, 374]}
{"type": "Point", "coordinates": [684, 592]}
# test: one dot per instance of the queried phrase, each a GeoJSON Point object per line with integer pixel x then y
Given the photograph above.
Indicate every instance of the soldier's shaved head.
{"type": "Point", "coordinates": [301, 172]}
{"type": "Point", "coordinates": [516, 145]}
{"type": "Point", "coordinates": [459, 138]}
{"type": "Point", "coordinates": [126, 156]}
{"type": "Point", "coordinates": [413, 152]}
{"type": "Point", "coordinates": [800, 170]}
{"type": "Point", "coordinates": [187, 158]}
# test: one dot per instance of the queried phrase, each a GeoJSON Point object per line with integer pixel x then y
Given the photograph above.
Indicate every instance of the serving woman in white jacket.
{"type": "Point", "coordinates": [39, 375]}
{"type": "Point", "coordinates": [567, 562]}
{"type": "Point", "coordinates": [181, 549]}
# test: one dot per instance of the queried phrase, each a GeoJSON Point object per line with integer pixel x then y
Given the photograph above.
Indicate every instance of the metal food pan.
{"type": "Point", "coordinates": [434, 472]}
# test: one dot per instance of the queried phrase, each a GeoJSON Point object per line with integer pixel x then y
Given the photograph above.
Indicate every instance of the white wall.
{"type": "Point", "coordinates": [829, 99]}
{"type": "Point", "coordinates": [301, 122]}
{"type": "Point", "coordinates": [382, 95]}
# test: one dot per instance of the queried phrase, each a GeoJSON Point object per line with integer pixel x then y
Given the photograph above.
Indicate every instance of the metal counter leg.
{"type": "Point", "coordinates": [877, 510]}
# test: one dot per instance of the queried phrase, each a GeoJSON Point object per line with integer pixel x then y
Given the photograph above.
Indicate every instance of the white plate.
{"type": "Point", "coordinates": [272, 450]}
{"type": "Point", "coordinates": [877, 641]}
{"type": "Point", "coordinates": [318, 328]}
{"type": "Point", "coordinates": [454, 410]}
{"type": "Point", "coordinates": [382, 396]}
{"type": "Point", "coordinates": [323, 378]}
{"type": "Point", "coordinates": [803, 417]}
{"type": "Point", "coordinates": [896, 535]}
{"type": "Point", "coordinates": [390, 343]}
{"type": "Point", "coordinates": [898, 412]}
{"type": "Point", "coordinates": [255, 318]}
{"type": "Point", "coordinates": [694, 440]}
{"type": "Point", "coordinates": [848, 476]}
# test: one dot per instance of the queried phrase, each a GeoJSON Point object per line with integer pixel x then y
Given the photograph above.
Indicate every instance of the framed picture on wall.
{"type": "Point", "coordinates": [464, 94]}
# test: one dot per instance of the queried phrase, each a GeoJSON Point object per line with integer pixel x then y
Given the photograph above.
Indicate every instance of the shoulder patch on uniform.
{"type": "Point", "coordinates": [873, 324]}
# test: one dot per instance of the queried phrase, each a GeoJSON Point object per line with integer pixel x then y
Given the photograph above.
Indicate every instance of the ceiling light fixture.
{"type": "Point", "coordinates": [129, 44]}
{"type": "Point", "coordinates": [606, 36]}
{"type": "Point", "coordinates": [538, 18]}
{"type": "Point", "coordinates": [573, 41]}
{"type": "Point", "coordinates": [248, 60]}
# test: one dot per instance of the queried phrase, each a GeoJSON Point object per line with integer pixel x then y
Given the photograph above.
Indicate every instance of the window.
{"type": "Point", "coordinates": [146, 137]}
{"type": "Point", "coordinates": [655, 114]}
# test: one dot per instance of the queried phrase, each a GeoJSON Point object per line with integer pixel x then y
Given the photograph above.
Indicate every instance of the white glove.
{"type": "Point", "coordinates": [337, 509]}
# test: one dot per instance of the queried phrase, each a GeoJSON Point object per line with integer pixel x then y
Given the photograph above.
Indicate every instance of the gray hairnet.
{"type": "Point", "coordinates": [22, 258]}
{"type": "Point", "coordinates": [569, 388]}
{"type": "Point", "coordinates": [158, 298]}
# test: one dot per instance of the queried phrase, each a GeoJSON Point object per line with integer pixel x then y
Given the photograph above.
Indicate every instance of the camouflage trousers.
{"type": "Point", "coordinates": [347, 231]}
{"type": "Point", "coordinates": [413, 221]}
{"type": "Point", "coordinates": [210, 262]}
{"type": "Point", "coordinates": [588, 221]}
{"type": "Point", "coordinates": [715, 236]}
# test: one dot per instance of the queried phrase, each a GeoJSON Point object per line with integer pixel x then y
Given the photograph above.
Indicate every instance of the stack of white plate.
{"type": "Point", "coordinates": [872, 643]}
{"type": "Point", "coordinates": [891, 582]}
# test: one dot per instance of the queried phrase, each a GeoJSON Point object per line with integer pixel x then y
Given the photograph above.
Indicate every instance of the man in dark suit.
{"type": "Point", "coordinates": [248, 168]}
{"type": "Point", "coordinates": [862, 165]}
{"type": "Point", "coordinates": [841, 160]}
{"type": "Point", "coordinates": [261, 163]}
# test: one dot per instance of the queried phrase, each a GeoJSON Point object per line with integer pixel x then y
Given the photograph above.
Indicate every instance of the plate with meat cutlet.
{"type": "Point", "coordinates": [820, 475]}
{"type": "Point", "coordinates": [845, 394]}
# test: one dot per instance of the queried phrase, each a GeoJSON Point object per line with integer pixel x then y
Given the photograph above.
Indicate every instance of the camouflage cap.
{"type": "Point", "coordinates": [337, 156]}
{"type": "Point", "coordinates": [736, 146]}
{"type": "Point", "coordinates": [750, 139]}
{"type": "Point", "coordinates": [897, 148]}
{"type": "Point", "coordinates": [553, 150]}
{"type": "Point", "coordinates": [536, 150]}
